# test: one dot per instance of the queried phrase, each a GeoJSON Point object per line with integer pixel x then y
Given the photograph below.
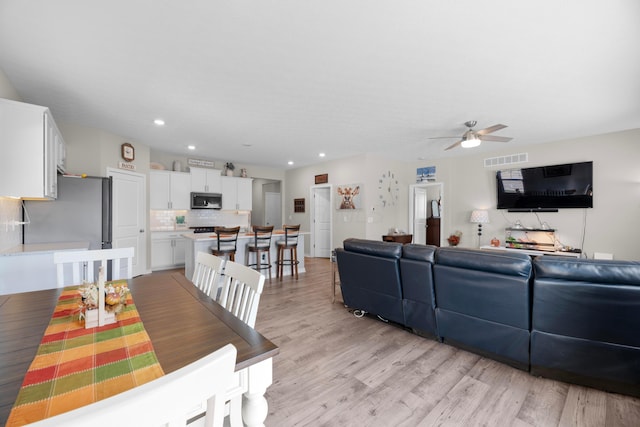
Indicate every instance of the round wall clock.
{"type": "Point", "coordinates": [388, 189]}
{"type": "Point", "coordinates": [128, 152]}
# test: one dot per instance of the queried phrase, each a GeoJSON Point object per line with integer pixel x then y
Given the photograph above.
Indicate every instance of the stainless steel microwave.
{"type": "Point", "coordinates": [206, 201]}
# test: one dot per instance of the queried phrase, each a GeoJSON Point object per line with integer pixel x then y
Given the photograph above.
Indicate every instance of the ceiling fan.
{"type": "Point", "coordinates": [473, 138]}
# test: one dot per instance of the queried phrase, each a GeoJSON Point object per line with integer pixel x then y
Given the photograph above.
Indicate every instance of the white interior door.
{"type": "Point", "coordinates": [321, 222]}
{"type": "Point", "coordinates": [420, 201]}
{"type": "Point", "coordinates": [273, 209]}
{"type": "Point", "coordinates": [129, 217]}
{"type": "Point", "coordinates": [420, 197]}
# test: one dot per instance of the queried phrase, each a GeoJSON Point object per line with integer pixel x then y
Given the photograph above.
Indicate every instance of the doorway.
{"type": "Point", "coordinates": [129, 217]}
{"type": "Point", "coordinates": [273, 209]}
{"type": "Point", "coordinates": [321, 221]}
{"type": "Point", "coordinates": [425, 216]}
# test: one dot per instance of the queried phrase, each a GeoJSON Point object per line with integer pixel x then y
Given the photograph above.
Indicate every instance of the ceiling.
{"type": "Point", "coordinates": [265, 82]}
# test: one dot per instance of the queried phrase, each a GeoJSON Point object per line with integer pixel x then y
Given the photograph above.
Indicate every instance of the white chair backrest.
{"type": "Point", "coordinates": [241, 291]}
{"type": "Point", "coordinates": [207, 272]}
{"type": "Point", "coordinates": [168, 400]}
{"type": "Point", "coordinates": [77, 266]}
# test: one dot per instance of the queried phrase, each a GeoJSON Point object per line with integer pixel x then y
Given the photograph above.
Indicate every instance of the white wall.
{"type": "Point", "coordinates": [609, 227]}
{"type": "Point", "coordinates": [10, 209]}
{"type": "Point", "coordinates": [373, 220]}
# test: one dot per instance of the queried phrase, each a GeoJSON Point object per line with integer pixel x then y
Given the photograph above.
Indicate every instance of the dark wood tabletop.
{"type": "Point", "coordinates": [183, 323]}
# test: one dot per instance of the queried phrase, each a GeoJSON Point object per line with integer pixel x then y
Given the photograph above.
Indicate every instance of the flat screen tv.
{"type": "Point", "coordinates": [546, 188]}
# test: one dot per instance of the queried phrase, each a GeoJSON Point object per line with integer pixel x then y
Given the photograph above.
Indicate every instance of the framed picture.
{"type": "Point", "coordinates": [349, 196]}
{"type": "Point", "coordinates": [322, 179]}
{"type": "Point", "coordinates": [425, 174]}
{"type": "Point", "coordinates": [298, 205]}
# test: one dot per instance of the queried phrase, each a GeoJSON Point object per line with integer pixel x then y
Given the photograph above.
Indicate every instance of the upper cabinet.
{"type": "Point", "coordinates": [236, 193]}
{"type": "Point", "coordinates": [169, 190]}
{"type": "Point", "coordinates": [206, 180]}
{"type": "Point", "coordinates": [33, 151]}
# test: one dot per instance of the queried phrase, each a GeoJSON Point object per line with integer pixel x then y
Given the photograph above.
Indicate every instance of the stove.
{"type": "Point", "coordinates": [203, 229]}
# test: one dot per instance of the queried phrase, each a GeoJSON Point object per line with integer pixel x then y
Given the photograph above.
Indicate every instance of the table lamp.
{"type": "Point", "coordinates": [479, 217]}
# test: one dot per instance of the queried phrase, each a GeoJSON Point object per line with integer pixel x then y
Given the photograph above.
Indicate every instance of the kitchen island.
{"type": "Point", "coordinates": [203, 242]}
{"type": "Point", "coordinates": [29, 267]}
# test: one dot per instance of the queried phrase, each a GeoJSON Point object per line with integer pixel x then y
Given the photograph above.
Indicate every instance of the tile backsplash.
{"type": "Point", "coordinates": [10, 212]}
{"type": "Point", "coordinates": [166, 220]}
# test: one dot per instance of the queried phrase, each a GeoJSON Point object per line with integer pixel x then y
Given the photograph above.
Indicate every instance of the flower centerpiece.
{"type": "Point", "coordinates": [454, 238]}
{"type": "Point", "coordinates": [229, 168]}
{"type": "Point", "coordinates": [113, 300]}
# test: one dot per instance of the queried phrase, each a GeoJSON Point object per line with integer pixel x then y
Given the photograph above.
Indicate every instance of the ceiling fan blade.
{"type": "Point", "coordinates": [453, 145]}
{"type": "Point", "coordinates": [490, 129]}
{"type": "Point", "coordinates": [494, 138]}
{"type": "Point", "coordinates": [444, 137]}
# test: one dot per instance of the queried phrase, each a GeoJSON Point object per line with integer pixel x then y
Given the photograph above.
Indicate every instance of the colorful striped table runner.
{"type": "Point", "coordinates": [75, 366]}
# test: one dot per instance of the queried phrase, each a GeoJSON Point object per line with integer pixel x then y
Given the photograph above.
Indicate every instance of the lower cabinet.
{"type": "Point", "coordinates": [167, 250]}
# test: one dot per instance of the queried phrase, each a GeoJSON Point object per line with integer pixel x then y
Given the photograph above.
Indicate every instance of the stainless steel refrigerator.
{"type": "Point", "coordinates": [82, 212]}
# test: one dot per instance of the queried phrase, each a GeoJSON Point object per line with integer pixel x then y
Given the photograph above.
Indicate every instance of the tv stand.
{"type": "Point", "coordinates": [532, 210]}
{"type": "Point", "coordinates": [533, 252]}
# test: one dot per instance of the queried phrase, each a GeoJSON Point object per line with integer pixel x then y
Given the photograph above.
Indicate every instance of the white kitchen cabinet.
{"type": "Point", "coordinates": [30, 141]}
{"type": "Point", "coordinates": [169, 190]}
{"type": "Point", "coordinates": [167, 250]}
{"type": "Point", "coordinates": [236, 193]}
{"type": "Point", "coordinates": [206, 180]}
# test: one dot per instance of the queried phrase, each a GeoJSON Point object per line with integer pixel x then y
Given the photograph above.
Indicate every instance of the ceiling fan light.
{"type": "Point", "coordinates": [471, 142]}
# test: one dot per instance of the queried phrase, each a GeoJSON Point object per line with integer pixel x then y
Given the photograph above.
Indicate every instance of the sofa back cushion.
{"type": "Point", "coordinates": [589, 299]}
{"type": "Point", "coordinates": [416, 272]}
{"type": "Point", "coordinates": [486, 284]}
{"type": "Point", "coordinates": [370, 277]}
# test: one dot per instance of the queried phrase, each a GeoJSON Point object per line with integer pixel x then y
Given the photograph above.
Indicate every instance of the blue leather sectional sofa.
{"type": "Point", "coordinates": [575, 320]}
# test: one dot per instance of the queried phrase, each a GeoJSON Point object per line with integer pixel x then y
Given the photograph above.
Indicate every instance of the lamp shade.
{"type": "Point", "coordinates": [471, 142]}
{"type": "Point", "coordinates": [479, 216]}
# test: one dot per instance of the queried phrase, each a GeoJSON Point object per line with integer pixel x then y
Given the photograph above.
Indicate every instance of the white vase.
{"type": "Point", "coordinates": [229, 172]}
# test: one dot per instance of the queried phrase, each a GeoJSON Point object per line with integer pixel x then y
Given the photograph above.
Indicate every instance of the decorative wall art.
{"type": "Point", "coordinates": [349, 196]}
{"type": "Point", "coordinates": [426, 174]}
{"type": "Point", "coordinates": [322, 179]}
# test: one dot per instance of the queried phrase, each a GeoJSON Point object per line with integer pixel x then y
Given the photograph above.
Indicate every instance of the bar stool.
{"type": "Point", "coordinates": [261, 243]}
{"type": "Point", "coordinates": [227, 238]}
{"type": "Point", "coordinates": [290, 242]}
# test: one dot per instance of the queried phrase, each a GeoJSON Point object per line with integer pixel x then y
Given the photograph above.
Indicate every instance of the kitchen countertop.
{"type": "Point", "coordinates": [32, 248]}
{"type": "Point", "coordinates": [241, 236]}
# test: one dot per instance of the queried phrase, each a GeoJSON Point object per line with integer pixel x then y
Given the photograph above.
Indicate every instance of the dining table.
{"type": "Point", "coordinates": [183, 323]}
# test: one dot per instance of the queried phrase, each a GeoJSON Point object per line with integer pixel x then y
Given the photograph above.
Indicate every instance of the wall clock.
{"type": "Point", "coordinates": [388, 189]}
{"type": "Point", "coordinates": [128, 152]}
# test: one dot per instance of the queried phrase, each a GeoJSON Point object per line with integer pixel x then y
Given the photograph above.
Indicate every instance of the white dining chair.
{"type": "Point", "coordinates": [165, 401]}
{"type": "Point", "coordinates": [240, 294]}
{"type": "Point", "coordinates": [206, 273]}
{"type": "Point", "coordinates": [72, 267]}
{"type": "Point", "coordinates": [241, 290]}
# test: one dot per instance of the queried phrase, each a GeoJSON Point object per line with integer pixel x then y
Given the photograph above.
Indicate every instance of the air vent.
{"type": "Point", "coordinates": [506, 160]}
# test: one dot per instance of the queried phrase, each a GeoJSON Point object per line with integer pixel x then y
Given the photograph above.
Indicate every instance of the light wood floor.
{"type": "Point", "coordinates": [337, 370]}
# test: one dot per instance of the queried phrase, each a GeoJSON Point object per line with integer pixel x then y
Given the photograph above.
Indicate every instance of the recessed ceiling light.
{"type": "Point", "coordinates": [290, 162]}
{"type": "Point", "coordinates": [246, 145]}
{"type": "Point", "coordinates": [321, 155]}
{"type": "Point", "coordinates": [159, 122]}
{"type": "Point", "coordinates": [191, 147]}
